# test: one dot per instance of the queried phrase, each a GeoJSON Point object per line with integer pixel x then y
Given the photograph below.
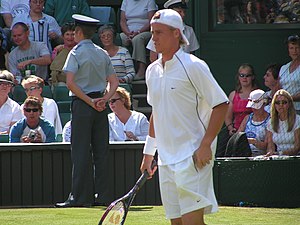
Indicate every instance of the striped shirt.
{"type": "Point", "coordinates": [123, 64]}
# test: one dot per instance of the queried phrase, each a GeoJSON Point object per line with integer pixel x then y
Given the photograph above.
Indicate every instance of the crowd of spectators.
{"type": "Point", "coordinates": [38, 36]}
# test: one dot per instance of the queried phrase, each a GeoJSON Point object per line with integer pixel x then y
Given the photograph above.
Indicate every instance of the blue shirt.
{"type": "Point", "coordinates": [21, 129]}
{"type": "Point", "coordinates": [91, 66]}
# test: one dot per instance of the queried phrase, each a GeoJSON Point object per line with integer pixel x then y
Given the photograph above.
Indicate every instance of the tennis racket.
{"type": "Point", "coordinates": [117, 211]}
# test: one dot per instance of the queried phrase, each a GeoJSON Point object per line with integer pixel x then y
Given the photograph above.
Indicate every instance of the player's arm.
{"type": "Point", "coordinates": [149, 150]}
{"type": "Point", "coordinates": [203, 154]}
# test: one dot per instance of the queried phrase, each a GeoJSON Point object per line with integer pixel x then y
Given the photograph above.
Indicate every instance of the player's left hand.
{"type": "Point", "coordinates": [202, 156]}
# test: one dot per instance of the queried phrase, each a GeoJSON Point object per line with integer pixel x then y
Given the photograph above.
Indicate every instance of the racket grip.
{"type": "Point", "coordinates": [143, 178]}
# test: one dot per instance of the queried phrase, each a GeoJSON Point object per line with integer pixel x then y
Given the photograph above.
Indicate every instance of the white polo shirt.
{"type": "Point", "coordinates": [10, 113]}
{"type": "Point", "coordinates": [182, 99]}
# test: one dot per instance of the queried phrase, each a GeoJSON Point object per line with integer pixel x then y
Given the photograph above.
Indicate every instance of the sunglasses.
{"type": "Point", "coordinates": [31, 88]}
{"type": "Point", "coordinates": [255, 101]}
{"type": "Point", "coordinates": [283, 102]}
{"type": "Point", "coordinates": [113, 100]}
{"type": "Point", "coordinates": [31, 109]}
{"type": "Point", "coordinates": [245, 75]}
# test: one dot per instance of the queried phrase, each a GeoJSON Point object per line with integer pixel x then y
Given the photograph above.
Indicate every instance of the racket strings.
{"type": "Point", "coordinates": [115, 215]}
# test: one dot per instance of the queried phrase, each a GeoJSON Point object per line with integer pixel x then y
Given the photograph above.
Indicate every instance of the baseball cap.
{"type": "Point", "coordinates": [171, 18]}
{"type": "Point", "coordinates": [176, 4]}
{"type": "Point", "coordinates": [256, 99]}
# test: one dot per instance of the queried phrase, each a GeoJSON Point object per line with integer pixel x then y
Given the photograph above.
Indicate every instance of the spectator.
{"type": "Point", "coordinates": [11, 8]}
{"type": "Point", "coordinates": [3, 50]}
{"type": "Point", "coordinates": [255, 124]}
{"type": "Point", "coordinates": [271, 81]}
{"type": "Point", "coordinates": [119, 56]}
{"type": "Point", "coordinates": [60, 53]}
{"type": "Point", "coordinates": [124, 124]}
{"type": "Point", "coordinates": [239, 97]}
{"type": "Point", "coordinates": [62, 10]}
{"type": "Point", "coordinates": [67, 132]}
{"type": "Point", "coordinates": [28, 54]}
{"type": "Point", "coordinates": [32, 128]}
{"type": "Point", "coordinates": [289, 74]}
{"type": "Point", "coordinates": [180, 7]}
{"type": "Point", "coordinates": [33, 86]}
{"type": "Point", "coordinates": [135, 25]}
{"type": "Point", "coordinates": [10, 110]}
{"type": "Point", "coordinates": [42, 27]}
{"type": "Point", "coordinates": [283, 133]}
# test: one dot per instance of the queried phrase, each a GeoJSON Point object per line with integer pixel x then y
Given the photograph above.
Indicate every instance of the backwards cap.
{"type": "Point", "coordinates": [171, 18]}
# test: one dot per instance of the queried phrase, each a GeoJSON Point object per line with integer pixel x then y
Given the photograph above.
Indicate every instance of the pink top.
{"type": "Point", "coordinates": [239, 109]}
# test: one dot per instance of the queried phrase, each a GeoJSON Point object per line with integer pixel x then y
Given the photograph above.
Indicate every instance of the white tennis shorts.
{"type": "Point", "coordinates": [185, 188]}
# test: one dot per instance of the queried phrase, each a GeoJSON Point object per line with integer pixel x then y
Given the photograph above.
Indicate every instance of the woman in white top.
{"type": "Point", "coordinates": [125, 124]}
{"type": "Point", "coordinates": [33, 86]}
{"type": "Point", "coordinates": [283, 133]}
{"type": "Point", "coordinates": [290, 73]}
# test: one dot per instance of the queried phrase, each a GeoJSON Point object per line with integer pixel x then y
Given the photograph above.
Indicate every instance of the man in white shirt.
{"type": "Point", "coordinates": [188, 111]}
{"type": "Point", "coordinates": [10, 110]}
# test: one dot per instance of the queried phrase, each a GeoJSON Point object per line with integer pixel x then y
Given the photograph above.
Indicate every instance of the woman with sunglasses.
{"type": "Point", "coordinates": [33, 86]}
{"type": "Point", "coordinates": [32, 128]}
{"type": "Point", "coordinates": [125, 124]}
{"type": "Point", "coordinates": [290, 72]}
{"type": "Point", "coordinates": [283, 130]}
{"type": "Point", "coordinates": [238, 98]}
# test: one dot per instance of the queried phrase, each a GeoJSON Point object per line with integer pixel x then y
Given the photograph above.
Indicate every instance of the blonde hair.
{"type": "Point", "coordinates": [32, 79]}
{"type": "Point", "coordinates": [125, 96]}
{"type": "Point", "coordinates": [291, 111]}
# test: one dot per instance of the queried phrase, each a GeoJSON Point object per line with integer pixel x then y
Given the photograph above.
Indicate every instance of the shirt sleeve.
{"type": "Point", "coordinates": [12, 63]}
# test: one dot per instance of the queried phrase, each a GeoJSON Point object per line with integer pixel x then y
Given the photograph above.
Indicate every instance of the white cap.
{"type": "Point", "coordinates": [176, 4]}
{"type": "Point", "coordinates": [256, 99]}
{"type": "Point", "coordinates": [171, 18]}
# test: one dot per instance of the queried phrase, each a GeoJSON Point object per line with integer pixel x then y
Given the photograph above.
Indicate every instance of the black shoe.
{"type": "Point", "coordinates": [67, 204]}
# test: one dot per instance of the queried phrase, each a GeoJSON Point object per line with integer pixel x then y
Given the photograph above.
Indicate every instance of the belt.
{"type": "Point", "coordinates": [96, 94]}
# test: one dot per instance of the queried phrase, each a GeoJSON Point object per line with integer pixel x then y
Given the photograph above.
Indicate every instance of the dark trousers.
{"type": "Point", "coordinates": [89, 152]}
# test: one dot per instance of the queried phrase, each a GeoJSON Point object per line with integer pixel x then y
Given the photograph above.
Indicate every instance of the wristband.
{"type": "Point", "coordinates": [150, 146]}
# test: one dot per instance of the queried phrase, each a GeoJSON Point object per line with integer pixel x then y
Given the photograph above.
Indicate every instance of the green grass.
{"type": "Point", "coordinates": [143, 215]}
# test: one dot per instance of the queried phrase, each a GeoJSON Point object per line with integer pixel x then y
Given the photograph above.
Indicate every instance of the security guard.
{"type": "Point", "coordinates": [92, 82]}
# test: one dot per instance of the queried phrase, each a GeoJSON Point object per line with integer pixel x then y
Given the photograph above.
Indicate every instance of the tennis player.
{"type": "Point", "coordinates": [188, 110]}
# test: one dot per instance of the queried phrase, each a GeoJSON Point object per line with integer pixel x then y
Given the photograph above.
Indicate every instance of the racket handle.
{"type": "Point", "coordinates": [143, 178]}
